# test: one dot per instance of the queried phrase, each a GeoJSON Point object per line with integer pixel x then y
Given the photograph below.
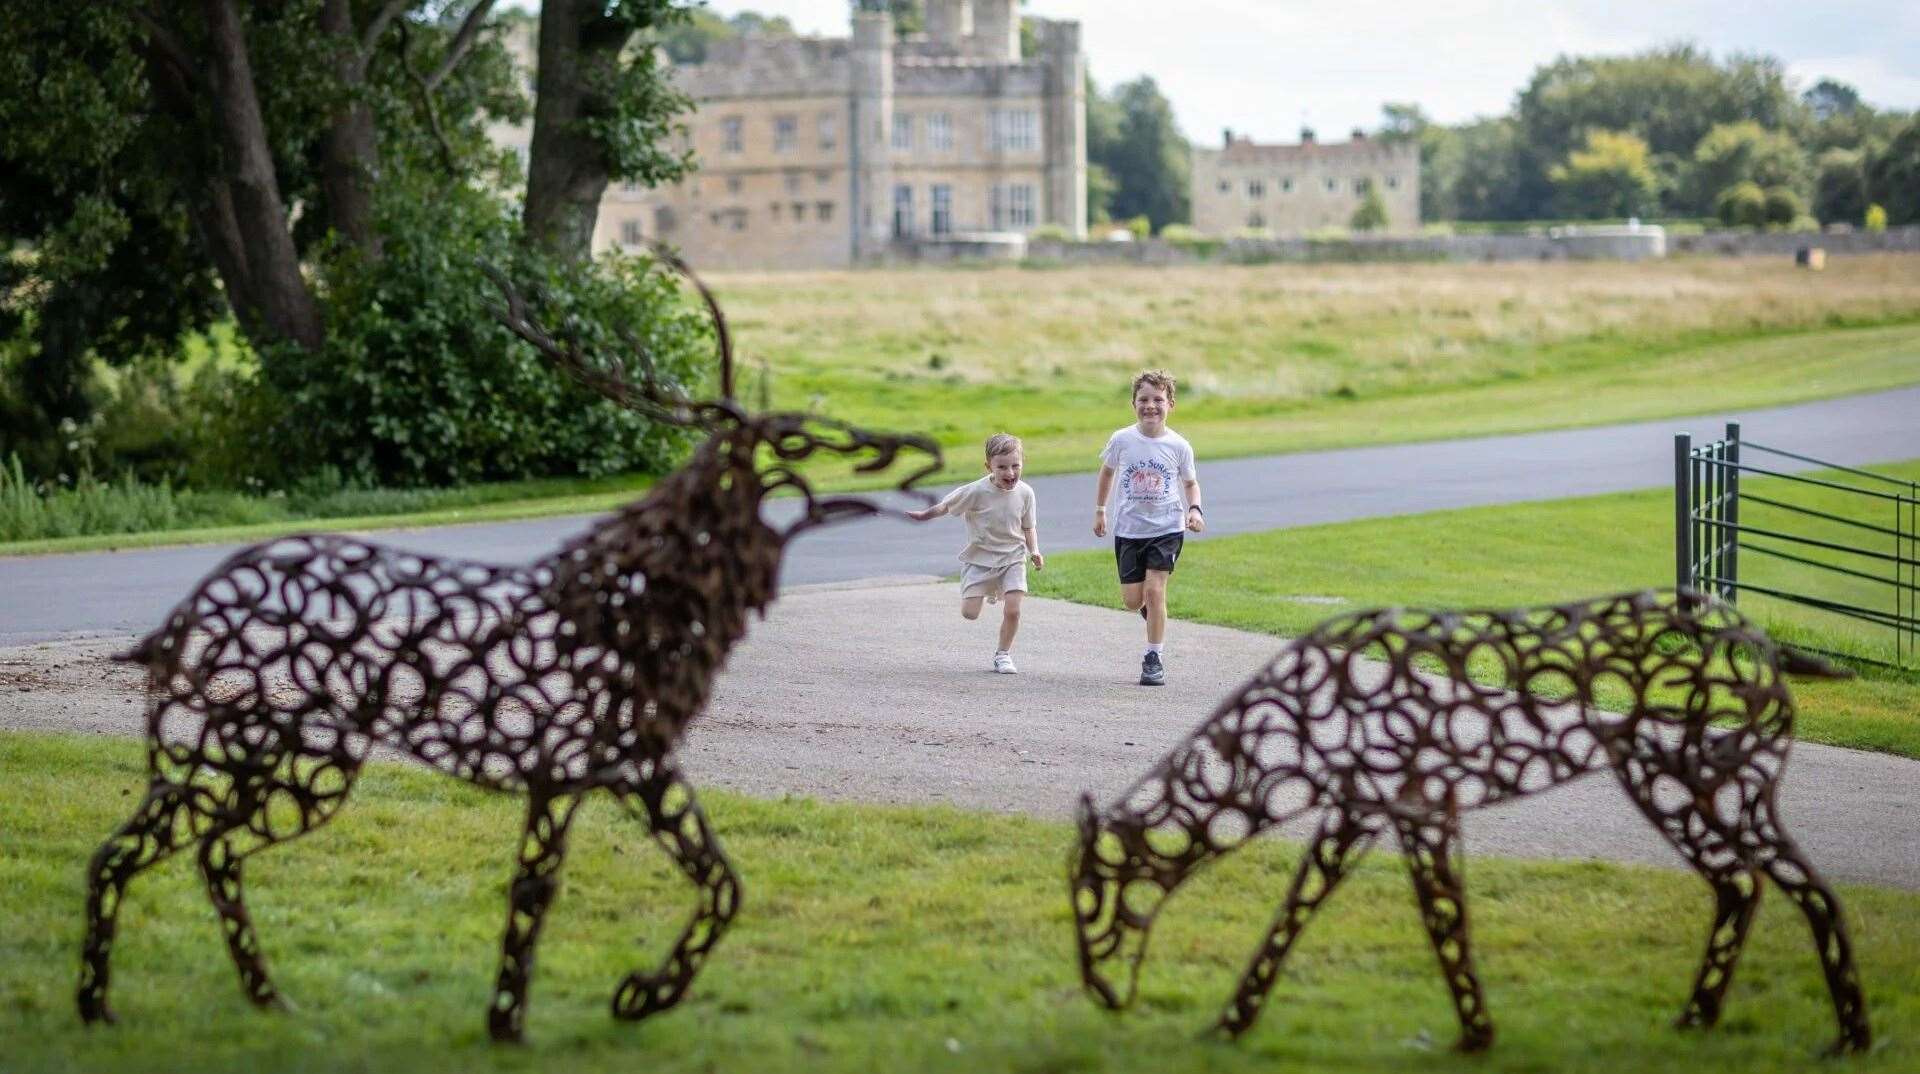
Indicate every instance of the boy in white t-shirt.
{"type": "Point", "coordinates": [1159, 501]}
{"type": "Point", "coordinates": [1002, 535]}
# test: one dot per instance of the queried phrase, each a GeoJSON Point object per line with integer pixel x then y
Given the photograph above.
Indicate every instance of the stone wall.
{"type": "Point", "coordinates": [1457, 248]}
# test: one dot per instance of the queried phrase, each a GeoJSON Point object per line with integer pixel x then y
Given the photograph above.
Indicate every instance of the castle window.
{"type": "Point", "coordinates": [829, 130]}
{"type": "Point", "coordinates": [942, 209]}
{"type": "Point", "coordinates": [1393, 182]}
{"type": "Point", "coordinates": [1010, 206]}
{"type": "Point", "coordinates": [823, 210]}
{"type": "Point", "coordinates": [773, 210]}
{"type": "Point", "coordinates": [939, 131]}
{"type": "Point", "coordinates": [1333, 185]}
{"type": "Point", "coordinates": [903, 132]}
{"type": "Point", "coordinates": [1361, 184]}
{"type": "Point", "coordinates": [731, 138]}
{"type": "Point", "coordinates": [799, 210]}
{"type": "Point", "coordinates": [1226, 186]}
{"type": "Point", "coordinates": [1256, 188]}
{"type": "Point", "coordinates": [631, 186]}
{"type": "Point", "coordinates": [902, 211]}
{"type": "Point", "coordinates": [733, 184]}
{"type": "Point", "coordinates": [739, 217]}
{"type": "Point", "coordinates": [1016, 131]}
{"type": "Point", "coordinates": [630, 233]}
{"type": "Point", "coordinates": [1286, 184]}
{"type": "Point", "coordinates": [822, 176]}
{"type": "Point", "coordinates": [793, 182]}
{"type": "Point", "coordinates": [786, 132]}
{"type": "Point", "coordinates": [663, 220]}
{"type": "Point", "coordinates": [1255, 220]}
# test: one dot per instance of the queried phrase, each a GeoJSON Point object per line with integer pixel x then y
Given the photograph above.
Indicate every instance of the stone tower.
{"type": "Point", "coordinates": [870, 120]}
{"type": "Point", "coordinates": [1066, 124]}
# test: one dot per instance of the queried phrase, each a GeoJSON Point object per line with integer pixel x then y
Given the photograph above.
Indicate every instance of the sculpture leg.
{"type": "Point", "coordinates": [1431, 848]}
{"type": "Point", "coordinates": [1322, 867]}
{"type": "Point", "coordinates": [318, 790]}
{"type": "Point", "coordinates": [146, 838]}
{"type": "Point", "coordinates": [667, 804]}
{"type": "Point", "coordinates": [1702, 839]}
{"type": "Point", "coordinates": [543, 848]}
{"type": "Point", "coordinates": [1796, 876]}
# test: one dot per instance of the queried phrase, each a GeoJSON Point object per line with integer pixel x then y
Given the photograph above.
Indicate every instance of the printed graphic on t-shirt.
{"type": "Point", "coordinates": [1147, 481]}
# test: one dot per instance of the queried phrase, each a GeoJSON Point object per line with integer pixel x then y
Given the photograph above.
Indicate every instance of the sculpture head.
{"type": "Point", "coordinates": [1116, 894]}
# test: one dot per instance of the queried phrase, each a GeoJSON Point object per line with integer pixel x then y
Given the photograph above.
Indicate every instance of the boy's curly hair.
{"type": "Point", "coordinates": [1001, 444]}
{"type": "Point", "coordinates": [1159, 378]}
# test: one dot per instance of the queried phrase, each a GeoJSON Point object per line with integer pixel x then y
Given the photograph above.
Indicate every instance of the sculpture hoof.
{"type": "Point", "coordinates": [642, 995]}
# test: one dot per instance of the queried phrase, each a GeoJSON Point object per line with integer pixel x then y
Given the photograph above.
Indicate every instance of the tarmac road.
{"type": "Point", "coordinates": [45, 597]}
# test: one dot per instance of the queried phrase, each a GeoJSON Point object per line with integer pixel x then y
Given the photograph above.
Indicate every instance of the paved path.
{"type": "Point", "coordinates": [881, 693]}
{"type": "Point", "coordinates": [44, 597]}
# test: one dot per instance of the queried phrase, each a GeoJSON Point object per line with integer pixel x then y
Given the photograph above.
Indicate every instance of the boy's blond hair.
{"type": "Point", "coordinates": [1159, 378]}
{"type": "Point", "coordinates": [1002, 444]}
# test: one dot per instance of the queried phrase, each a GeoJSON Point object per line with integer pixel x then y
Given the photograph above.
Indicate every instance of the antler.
{"type": "Point", "coordinates": [650, 397]}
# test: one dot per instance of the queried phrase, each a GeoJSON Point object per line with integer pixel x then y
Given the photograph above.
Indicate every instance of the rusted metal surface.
{"type": "Point", "coordinates": [272, 680]}
{"type": "Point", "coordinates": [1371, 722]}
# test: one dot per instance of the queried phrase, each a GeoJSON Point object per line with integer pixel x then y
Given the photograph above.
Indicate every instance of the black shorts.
{"type": "Point", "coordinates": [1138, 555]}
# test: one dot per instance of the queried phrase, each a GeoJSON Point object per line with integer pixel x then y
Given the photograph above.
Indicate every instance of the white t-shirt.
{"type": "Point", "coordinates": [1149, 490]}
{"type": "Point", "coordinates": [996, 520]}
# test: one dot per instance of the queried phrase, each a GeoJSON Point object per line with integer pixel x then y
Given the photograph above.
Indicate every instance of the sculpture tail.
{"type": "Point", "coordinates": [1803, 664]}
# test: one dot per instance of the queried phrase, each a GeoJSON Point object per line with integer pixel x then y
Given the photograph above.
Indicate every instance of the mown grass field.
{"type": "Point", "coordinates": [1272, 359]}
{"type": "Point", "coordinates": [871, 939]}
{"type": "Point", "coordinates": [1284, 581]}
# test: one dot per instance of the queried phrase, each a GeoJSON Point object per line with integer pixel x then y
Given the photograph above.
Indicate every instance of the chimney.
{"type": "Point", "coordinates": [1226, 137]}
{"type": "Point", "coordinates": [996, 30]}
{"type": "Point", "coordinates": [1359, 135]}
{"type": "Point", "coordinates": [1306, 135]}
{"type": "Point", "coordinates": [949, 22]}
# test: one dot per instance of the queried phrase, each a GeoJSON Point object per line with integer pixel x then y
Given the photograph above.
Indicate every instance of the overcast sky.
{"type": "Point", "coordinates": [1264, 66]}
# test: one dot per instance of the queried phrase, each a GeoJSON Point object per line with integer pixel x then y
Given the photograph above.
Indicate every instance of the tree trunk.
{"type": "Point", "coordinates": [568, 171]}
{"type": "Point", "coordinates": [350, 155]}
{"type": "Point", "coordinates": [283, 308]}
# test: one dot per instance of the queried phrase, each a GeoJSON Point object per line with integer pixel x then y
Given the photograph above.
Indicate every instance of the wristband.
{"type": "Point", "coordinates": [1196, 507]}
{"type": "Point", "coordinates": [1099, 507]}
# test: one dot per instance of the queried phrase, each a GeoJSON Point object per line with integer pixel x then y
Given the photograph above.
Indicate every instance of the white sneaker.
{"type": "Point", "coordinates": [1003, 664]}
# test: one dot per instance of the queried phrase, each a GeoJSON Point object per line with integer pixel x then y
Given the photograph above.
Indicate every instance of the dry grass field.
{"type": "Point", "coordinates": [1047, 352]}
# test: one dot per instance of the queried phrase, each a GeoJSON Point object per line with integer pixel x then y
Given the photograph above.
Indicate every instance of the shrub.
{"type": "Point", "coordinates": [1140, 226]}
{"type": "Point", "coordinates": [1741, 205]}
{"type": "Point", "coordinates": [419, 384]}
{"type": "Point", "coordinates": [1050, 233]}
{"type": "Point", "coordinates": [1783, 206]}
{"type": "Point", "coordinates": [1371, 214]}
{"type": "Point", "coordinates": [1876, 218]}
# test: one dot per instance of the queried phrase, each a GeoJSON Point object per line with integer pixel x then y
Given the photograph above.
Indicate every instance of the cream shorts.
{"type": "Point", "coordinates": [993, 582]}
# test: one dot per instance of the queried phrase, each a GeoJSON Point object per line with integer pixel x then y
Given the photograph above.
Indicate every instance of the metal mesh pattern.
{"type": "Point", "coordinates": [1373, 722]}
{"type": "Point", "coordinates": [271, 682]}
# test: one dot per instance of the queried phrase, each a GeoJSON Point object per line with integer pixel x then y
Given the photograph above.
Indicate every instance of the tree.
{"type": "Point", "coordinates": [1743, 204]}
{"type": "Point", "coordinates": [1440, 162]}
{"type": "Point", "coordinates": [1840, 186]}
{"type": "Point", "coordinates": [602, 111]}
{"type": "Point", "coordinates": [1104, 117]}
{"type": "Point", "coordinates": [1488, 185]}
{"type": "Point", "coordinates": [1371, 215]}
{"type": "Point", "coordinates": [1148, 159]}
{"type": "Point", "coordinates": [1611, 176]}
{"type": "Point", "coordinates": [1893, 175]}
{"type": "Point", "coordinates": [1669, 97]}
{"type": "Point", "coordinates": [1828, 98]}
{"type": "Point", "coordinates": [1745, 152]}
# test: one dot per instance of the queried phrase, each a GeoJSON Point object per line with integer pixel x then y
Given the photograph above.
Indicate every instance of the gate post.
{"type": "Point", "coordinates": [1731, 515]}
{"type": "Point", "coordinates": [1683, 510]}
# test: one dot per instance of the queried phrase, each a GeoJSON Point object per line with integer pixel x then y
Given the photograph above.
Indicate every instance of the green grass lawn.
{"type": "Point", "coordinates": [1275, 358]}
{"type": "Point", "coordinates": [1284, 581]}
{"type": "Point", "coordinates": [872, 938]}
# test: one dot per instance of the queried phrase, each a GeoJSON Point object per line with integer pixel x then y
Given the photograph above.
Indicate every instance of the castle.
{"type": "Point", "coordinates": [1294, 189]}
{"type": "Point", "coordinates": [821, 152]}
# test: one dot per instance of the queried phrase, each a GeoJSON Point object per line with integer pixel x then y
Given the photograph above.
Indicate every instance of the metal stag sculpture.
{"type": "Point", "coordinates": [273, 679]}
{"type": "Point", "coordinates": [1405, 742]}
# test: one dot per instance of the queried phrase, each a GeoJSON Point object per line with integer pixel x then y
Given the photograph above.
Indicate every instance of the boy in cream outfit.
{"type": "Point", "coordinates": [1001, 522]}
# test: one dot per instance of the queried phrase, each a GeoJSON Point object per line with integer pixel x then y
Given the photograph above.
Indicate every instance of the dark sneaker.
{"type": "Point", "coordinates": [1151, 672]}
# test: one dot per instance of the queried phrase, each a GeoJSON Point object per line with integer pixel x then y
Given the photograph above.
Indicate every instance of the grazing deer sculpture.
{"type": "Point", "coordinates": [270, 683]}
{"type": "Point", "coordinates": [1406, 742]}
